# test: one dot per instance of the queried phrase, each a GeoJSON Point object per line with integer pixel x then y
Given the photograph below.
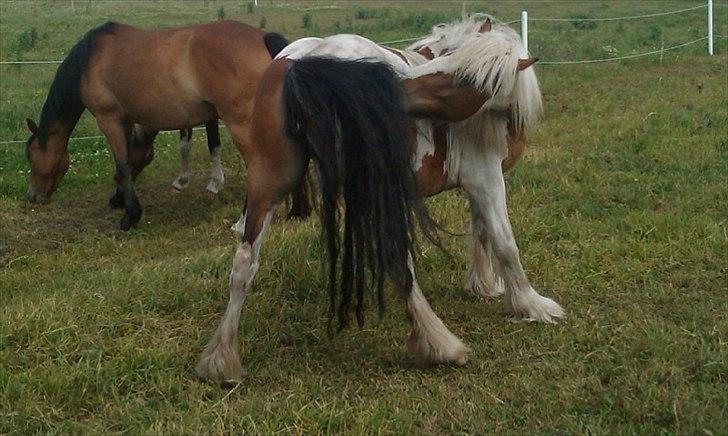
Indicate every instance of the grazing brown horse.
{"type": "Point", "coordinates": [164, 79]}
{"type": "Point", "coordinates": [351, 118]}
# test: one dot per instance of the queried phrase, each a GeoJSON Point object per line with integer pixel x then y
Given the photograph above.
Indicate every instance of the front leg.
{"type": "Point", "coordinates": [118, 134]}
{"type": "Point", "coordinates": [482, 179]}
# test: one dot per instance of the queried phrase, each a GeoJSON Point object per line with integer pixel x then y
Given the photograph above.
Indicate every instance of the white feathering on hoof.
{"type": "Point", "coordinates": [220, 361]}
{"type": "Point", "coordinates": [430, 340]}
{"type": "Point", "coordinates": [217, 176]}
{"type": "Point", "coordinates": [528, 305]}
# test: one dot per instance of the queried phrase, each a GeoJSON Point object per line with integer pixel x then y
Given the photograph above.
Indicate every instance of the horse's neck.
{"type": "Point", "coordinates": [58, 131]}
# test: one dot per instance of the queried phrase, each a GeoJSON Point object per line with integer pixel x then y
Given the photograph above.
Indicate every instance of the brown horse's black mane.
{"type": "Point", "coordinates": [64, 100]}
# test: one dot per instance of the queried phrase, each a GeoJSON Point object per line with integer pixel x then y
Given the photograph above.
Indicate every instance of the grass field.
{"type": "Point", "coordinates": [620, 208]}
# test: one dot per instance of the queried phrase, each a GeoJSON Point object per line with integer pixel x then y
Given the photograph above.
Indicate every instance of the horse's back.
{"type": "Point", "coordinates": [175, 77]}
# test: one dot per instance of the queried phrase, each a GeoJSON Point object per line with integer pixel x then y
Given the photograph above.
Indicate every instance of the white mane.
{"type": "Point", "coordinates": [488, 61]}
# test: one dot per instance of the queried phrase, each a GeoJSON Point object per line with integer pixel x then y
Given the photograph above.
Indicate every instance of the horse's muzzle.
{"type": "Point", "coordinates": [36, 197]}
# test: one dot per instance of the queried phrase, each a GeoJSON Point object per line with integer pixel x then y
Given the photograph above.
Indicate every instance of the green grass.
{"type": "Point", "coordinates": [619, 207]}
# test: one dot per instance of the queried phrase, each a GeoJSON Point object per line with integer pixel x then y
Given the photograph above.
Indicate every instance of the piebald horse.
{"type": "Point", "coordinates": [164, 79]}
{"type": "Point", "coordinates": [441, 146]}
{"type": "Point", "coordinates": [318, 100]}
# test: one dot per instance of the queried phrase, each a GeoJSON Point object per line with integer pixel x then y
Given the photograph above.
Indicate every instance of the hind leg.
{"type": "Point", "coordinates": [482, 276]}
{"type": "Point", "coordinates": [183, 179]}
{"type": "Point", "coordinates": [430, 340]}
{"type": "Point", "coordinates": [217, 176]}
{"type": "Point", "coordinates": [300, 202]}
{"type": "Point", "coordinates": [272, 171]}
{"type": "Point", "coordinates": [220, 361]}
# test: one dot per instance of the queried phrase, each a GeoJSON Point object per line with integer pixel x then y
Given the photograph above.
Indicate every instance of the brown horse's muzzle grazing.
{"type": "Point", "coordinates": [40, 186]}
{"type": "Point", "coordinates": [34, 196]}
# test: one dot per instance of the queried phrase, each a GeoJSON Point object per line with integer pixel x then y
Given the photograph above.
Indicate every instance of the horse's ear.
{"type": "Point", "coordinates": [525, 63]}
{"type": "Point", "coordinates": [436, 96]}
{"type": "Point", "coordinates": [486, 26]}
{"type": "Point", "coordinates": [32, 126]}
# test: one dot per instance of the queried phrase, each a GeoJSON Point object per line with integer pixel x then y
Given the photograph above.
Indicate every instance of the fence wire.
{"type": "Point", "coordinates": [396, 41]}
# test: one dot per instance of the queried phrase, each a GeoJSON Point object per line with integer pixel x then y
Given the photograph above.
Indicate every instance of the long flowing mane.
{"type": "Point", "coordinates": [487, 60]}
{"type": "Point", "coordinates": [479, 58]}
{"type": "Point", "coordinates": [64, 100]}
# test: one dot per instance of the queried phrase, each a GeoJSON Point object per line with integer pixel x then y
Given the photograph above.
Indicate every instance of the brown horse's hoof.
{"type": "Point", "coordinates": [117, 200]}
{"type": "Point", "coordinates": [125, 223]}
{"type": "Point", "coordinates": [129, 219]}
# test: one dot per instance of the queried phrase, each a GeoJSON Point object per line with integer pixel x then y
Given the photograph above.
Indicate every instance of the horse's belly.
{"type": "Point", "coordinates": [173, 116]}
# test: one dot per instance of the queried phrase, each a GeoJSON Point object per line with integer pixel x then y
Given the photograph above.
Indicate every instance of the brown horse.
{"type": "Point", "coordinates": [351, 118]}
{"type": "Point", "coordinates": [165, 79]}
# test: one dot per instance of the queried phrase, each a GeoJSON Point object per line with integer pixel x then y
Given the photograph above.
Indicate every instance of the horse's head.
{"type": "Point", "coordinates": [447, 37]}
{"type": "Point", "coordinates": [48, 163]}
{"type": "Point", "coordinates": [487, 63]}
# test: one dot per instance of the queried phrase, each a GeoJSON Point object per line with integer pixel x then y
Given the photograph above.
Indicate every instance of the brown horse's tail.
{"type": "Point", "coordinates": [274, 42]}
{"type": "Point", "coordinates": [349, 117]}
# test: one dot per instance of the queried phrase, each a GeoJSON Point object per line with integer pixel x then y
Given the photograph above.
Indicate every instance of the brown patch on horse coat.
{"type": "Point", "coordinates": [427, 53]}
{"type": "Point", "coordinates": [431, 177]}
{"type": "Point", "coordinates": [398, 53]}
{"type": "Point", "coordinates": [516, 145]}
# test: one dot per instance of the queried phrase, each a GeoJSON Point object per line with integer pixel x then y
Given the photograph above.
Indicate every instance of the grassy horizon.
{"type": "Point", "coordinates": [619, 207]}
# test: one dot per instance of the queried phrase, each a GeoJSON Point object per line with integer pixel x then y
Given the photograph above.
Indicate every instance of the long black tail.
{"type": "Point", "coordinates": [349, 117]}
{"type": "Point", "coordinates": [274, 42]}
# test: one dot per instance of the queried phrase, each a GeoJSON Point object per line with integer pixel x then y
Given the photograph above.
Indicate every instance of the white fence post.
{"type": "Point", "coordinates": [710, 27]}
{"type": "Point", "coordinates": [524, 28]}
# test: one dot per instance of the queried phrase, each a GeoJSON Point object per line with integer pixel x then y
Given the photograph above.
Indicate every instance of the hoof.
{"type": "Point", "coordinates": [220, 363]}
{"type": "Point", "coordinates": [126, 223]}
{"type": "Point", "coordinates": [129, 220]}
{"type": "Point", "coordinates": [478, 288]}
{"type": "Point", "coordinates": [181, 183]}
{"type": "Point", "coordinates": [214, 186]}
{"type": "Point", "coordinates": [437, 347]}
{"type": "Point", "coordinates": [530, 306]}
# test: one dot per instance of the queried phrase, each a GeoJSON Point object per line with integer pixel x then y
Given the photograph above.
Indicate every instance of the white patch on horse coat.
{"type": "Point", "coordinates": [220, 360]}
{"type": "Point", "coordinates": [430, 340]}
{"type": "Point", "coordinates": [482, 276]}
{"type": "Point", "coordinates": [217, 176]}
{"type": "Point", "coordinates": [425, 144]}
{"type": "Point", "coordinates": [183, 179]}
{"type": "Point", "coordinates": [482, 178]}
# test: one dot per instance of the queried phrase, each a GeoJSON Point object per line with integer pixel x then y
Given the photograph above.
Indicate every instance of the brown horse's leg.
{"type": "Point", "coordinates": [118, 133]}
{"type": "Point", "coordinates": [220, 361]}
{"type": "Point", "coordinates": [140, 153]}
{"type": "Point", "coordinates": [274, 166]}
{"type": "Point", "coordinates": [300, 202]}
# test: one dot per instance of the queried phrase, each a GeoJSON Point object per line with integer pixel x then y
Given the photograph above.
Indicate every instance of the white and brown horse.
{"type": "Point", "coordinates": [497, 133]}
{"type": "Point", "coordinates": [348, 117]}
{"type": "Point", "coordinates": [164, 79]}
